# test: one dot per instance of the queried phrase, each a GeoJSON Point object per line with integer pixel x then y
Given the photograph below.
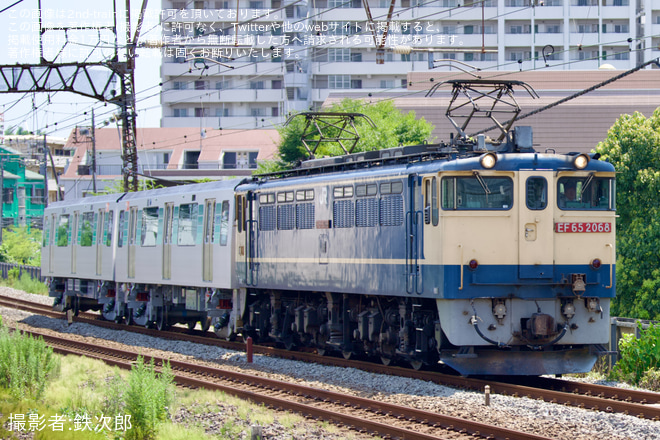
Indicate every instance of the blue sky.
{"type": "Point", "coordinates": [62, 111]}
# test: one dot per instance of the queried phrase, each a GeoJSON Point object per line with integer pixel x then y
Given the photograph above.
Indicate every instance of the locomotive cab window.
{"type": "Point", "coordinates": [536, 190]}
{"type": "Point", "coordinates": [477, 192]}
{"type": "Point", "coordinates": [585, 193]}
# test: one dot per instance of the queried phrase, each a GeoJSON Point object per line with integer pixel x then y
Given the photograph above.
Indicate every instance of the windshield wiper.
{"type": "Point", "coordinates": [482, 182]}
{"type": "Point", "coordinates": [586, 184]}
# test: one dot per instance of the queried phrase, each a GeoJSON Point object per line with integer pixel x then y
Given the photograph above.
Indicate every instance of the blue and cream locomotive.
{"type": "Point", "coordinates": [489, 259]}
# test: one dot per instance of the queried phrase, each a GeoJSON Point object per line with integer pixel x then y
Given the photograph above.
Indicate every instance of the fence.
{"type": "Point", "coordinates": [33, 271]}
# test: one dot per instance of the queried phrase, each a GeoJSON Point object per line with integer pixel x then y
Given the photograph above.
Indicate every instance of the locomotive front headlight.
{"type": "Point", "coordinates": [596, 263]}
{"type": "Point", "coordinates": [581, 161]}
{"type": "Point", "coordinates": [488, 160]}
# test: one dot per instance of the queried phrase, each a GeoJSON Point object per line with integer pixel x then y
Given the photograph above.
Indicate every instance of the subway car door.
{"type": "Point", "coordinates": [536, 225]}
{"type": "Point", "coordinates": [207, 257]}
{"type": "Point", "coordinates": [74, 242]}
{"type": "Point", "coordinates": [132, 233]}
{"type": "Point", "coordinates": [167, 242]}
{"type": "Point", "coordinates": [100, 221]}
{"type": "Point", "coordinates": [52, 242]}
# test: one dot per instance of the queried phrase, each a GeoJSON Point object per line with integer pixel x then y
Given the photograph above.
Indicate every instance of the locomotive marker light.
{"type": "Point", "coordinates": [581, 161]}
{"type": "Point", "coordinates": [488, 160]}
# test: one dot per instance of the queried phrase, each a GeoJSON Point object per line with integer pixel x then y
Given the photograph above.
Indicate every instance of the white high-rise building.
{"type": "Point", "coordinates": [244, 64]}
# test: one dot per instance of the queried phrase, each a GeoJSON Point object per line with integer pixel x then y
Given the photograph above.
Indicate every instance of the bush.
{"type": "Point", "coordinates": [146, 398]}
{"type": "Point", "coordinates": [639, 357]}
{"type": "Point", "coordinates": [22, 246]}
{"type": "Point", "coordinates": [26, 364]}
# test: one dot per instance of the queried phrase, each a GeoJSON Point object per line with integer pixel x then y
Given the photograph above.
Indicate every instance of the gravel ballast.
{"type": "Point", "coordinates": [550, 420]}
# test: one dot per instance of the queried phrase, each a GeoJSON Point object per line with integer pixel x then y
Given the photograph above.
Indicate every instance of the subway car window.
{"type": "Point", "coordinates": [588, 193]}
{"type": "Point", "coordinates": [187, 224]}
{"type": "Point", "coordinates": [537, 193]}
{"type": "Point", "coordinates": [63, 231]}
{"type": "Point", "coordinates": [149, 226]}
{"type": "Point", "coordinates": [477, 193]}
{"type": "Point", "coordinates": [87, 229]}
{"type": "Point", "coordinates": [224, 223]}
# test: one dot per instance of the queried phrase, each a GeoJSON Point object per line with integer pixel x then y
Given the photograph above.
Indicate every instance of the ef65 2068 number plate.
{"type": "Point", "coordinates": [583, 227]}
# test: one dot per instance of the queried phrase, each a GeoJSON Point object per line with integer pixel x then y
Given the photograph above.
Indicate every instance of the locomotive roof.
{"type": "Point", "coordinates": [505, 162]}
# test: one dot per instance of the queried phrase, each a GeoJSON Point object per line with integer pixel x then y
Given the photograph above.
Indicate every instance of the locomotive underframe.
{"type": "Point", "coordinates": [401, 329]}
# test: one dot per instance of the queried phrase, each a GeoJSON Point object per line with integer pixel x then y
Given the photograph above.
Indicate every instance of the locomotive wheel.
{"type": "Point", "coordinates": [347, 354]}
{"type": "Point", "coordinates": [289, 343]}
{"type": "Point", "coordinates": [386, 361]}
{"type": "Point", "coordinates": [161, 319]}
{"type": "Point", "coordinates": [191, 325]}
{"type": "Point", "coordinates": [141, 320]}
{"type": "Point", "coordinates": [206, 324]}
{"type": "Point", "coordinates": [109, 315]}
{"type": "Point", "coordinates": [320, 351]}
{"type": "Point", "coordinates": [417, 365]}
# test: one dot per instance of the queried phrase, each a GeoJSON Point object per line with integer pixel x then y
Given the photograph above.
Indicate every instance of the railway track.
{"type": "Point", "coordinates": [642, 404]}
{"type": "Point", "coordinates": [366, 415]}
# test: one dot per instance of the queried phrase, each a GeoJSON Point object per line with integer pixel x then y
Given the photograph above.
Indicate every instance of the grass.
{"type": "Point", "coordinates": [82, 389]}
{"type": "Point", "coordinates": [24, 283]}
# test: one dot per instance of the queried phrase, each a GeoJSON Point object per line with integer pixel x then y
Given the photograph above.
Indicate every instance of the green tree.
{"type": "Point", "coordinates": [393, 128]}
{"type": "Point", "coordinates": [21, 246]}
{"type": "Point", "coordinates": [633, 147]}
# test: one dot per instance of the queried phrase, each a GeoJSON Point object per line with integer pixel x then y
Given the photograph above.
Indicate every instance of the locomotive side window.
{"type": "Point", "coordinates": [149, 226]}
{"type": "Point", "coordinates": [63, 226]}
{"type": "Point", "coordinates": [342, 192]}
{"type": "Point", "coordinates": [224, 223]}
{"type": "Point", "coordinates": [87, 229]}
{"type": "Point", "coordinates": [477, 193]}
{"type": "Point", "coordinates": [537, 193]}
{"type": "Point", "coordinates": [187, 224]}
{"type": "Point", "coordinates": [431, 201]}
{"type": "Point", "coordinates": [585, 193]}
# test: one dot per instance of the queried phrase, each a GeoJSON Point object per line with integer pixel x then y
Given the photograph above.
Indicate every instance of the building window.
{"type": "Point", "coordinates": [180, 112]}
{"type": "Point", "coordinates": [339, 81]}
{"type": "Point", "coordinates": [8, 195]}
{"type": "Point", "coordinates": [342, 55]}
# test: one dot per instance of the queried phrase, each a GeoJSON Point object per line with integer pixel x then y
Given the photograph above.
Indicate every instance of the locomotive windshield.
{"type": "Point", "coordinates": [477, 192]}
{"type": "Point", "coordinates": [586, 193]}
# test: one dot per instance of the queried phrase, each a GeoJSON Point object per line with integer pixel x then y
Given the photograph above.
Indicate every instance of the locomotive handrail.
{"type": "Point", "coordinates": [611, 265]}
{"type": "Point", "coordinates": [460, 246]}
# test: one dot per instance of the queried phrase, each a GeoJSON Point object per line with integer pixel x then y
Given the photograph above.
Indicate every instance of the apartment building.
{"type": "Point", "coordinates": [246, 64]}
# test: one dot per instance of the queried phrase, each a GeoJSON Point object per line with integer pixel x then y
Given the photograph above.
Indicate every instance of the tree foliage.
{"type": "Point", "coordinates": [393, 128]}
{"type": "Point", "coordinates": [633, 147]}
{"type": "Point", "coordinates": [22, 246]}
